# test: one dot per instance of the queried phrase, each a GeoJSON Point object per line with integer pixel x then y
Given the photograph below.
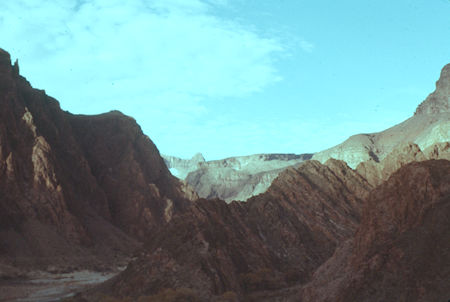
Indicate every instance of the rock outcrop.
{"type": "Point", "coordinates": [297, 241]}
{"type": "Point", "coordinates": [182, 167]}
{"type": "Point", "coordinates": [401, 249]}
{"type": "Point", "coordinates": [75, 191]}
{"type": "Point", "coordinates": [429, 125]}
{"type": "Point", "coordinates": [272, 241]}
{"type": "Point", "coordinates": [86, 191]}
{"type": "Point", "coordinates": [234, 178]}
{"type": "Point", "coordinates": [439, 100]}
{"type": "Point", "coordinates": [378, 172]}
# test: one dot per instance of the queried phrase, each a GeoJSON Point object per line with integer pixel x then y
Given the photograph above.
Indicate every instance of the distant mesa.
{"type": "Point", "coordinates": [233, 178]}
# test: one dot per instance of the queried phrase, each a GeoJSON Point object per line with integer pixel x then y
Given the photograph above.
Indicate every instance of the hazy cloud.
{"type": "Point", "coordinates": [135, 51]}
{"type": "Point", "coordinates": [307, 46]}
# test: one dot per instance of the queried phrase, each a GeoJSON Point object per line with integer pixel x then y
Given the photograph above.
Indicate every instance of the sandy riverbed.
{"type": "Point", "coordinates": [46, 287]}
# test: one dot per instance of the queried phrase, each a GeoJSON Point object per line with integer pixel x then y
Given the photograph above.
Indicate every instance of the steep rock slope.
{"type": "Point", "coordinates": [401, 250]}
{"type": "Point", "coordinates": [65, 181]}
{"type": "Point", "coordinates": [234, 178]}
{"type": "Point", "coordinates": [271, 241]}
{"type": "Point", "coordinates": [296, 241]}
{"type": "Point", "coordinates": [127, 166]}
{"type": "Point", "coordinates": [377, 172]}
{"type": "Point", "coordinates": [429, 125]}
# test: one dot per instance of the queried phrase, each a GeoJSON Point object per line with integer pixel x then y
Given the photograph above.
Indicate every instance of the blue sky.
{"type": "Point", "coordinates": [234, 77]}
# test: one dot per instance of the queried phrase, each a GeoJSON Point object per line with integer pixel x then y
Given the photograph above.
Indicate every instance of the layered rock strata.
{"type": "Point", "coordinates": [234, 178]}
{"type": "Point", "coordinates": [75, 191]}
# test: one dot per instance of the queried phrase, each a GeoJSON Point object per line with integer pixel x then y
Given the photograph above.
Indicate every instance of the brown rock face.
{"type": "Point", "coordinates": [129, 169]}
{"type": "Point", "coordinates": [272, 241]}
{"type": "Point", "coordinates": [73, 188]}
{"type": "Point", "coordinates": [84, 191]}
{"type": "Point", "coordinates": [377, 172]}
{"type": "Point", "coordinates": [401, 250]}
{"type": "Point", "coordinates": [301, 233]}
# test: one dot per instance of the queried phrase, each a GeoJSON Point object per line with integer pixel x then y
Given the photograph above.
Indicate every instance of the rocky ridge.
{"type": "Point", "coordinates": [378, 172]}
{"type": "Point", "coordinates": [272, 241]}
{"type": "Point", "coordinates": [429, 125]}
{"type": "Point", "coordinates": [439, 100]}
{"type": "Point", "coordinates": [321, 232]}
{"type": "Point", "coordinates": [276, 244]}
{"type": "Point", "coordinates": [182, 167]}
{"type": "Point", "coordinates": [401, 248]}
{"type": "Point", "coordinates": [234, 178]}
{"type": "Point", "coordinates": [75, 191]}
{"type": "Point", "coordinates": [87, 190]}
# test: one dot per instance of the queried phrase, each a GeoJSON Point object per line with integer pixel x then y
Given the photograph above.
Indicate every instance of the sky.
{"type": "Point", "coordinates": [234, 77]}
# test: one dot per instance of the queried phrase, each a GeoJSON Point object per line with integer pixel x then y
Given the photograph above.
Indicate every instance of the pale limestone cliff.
{"type": "Point", "coordinates": [429, 125]}
{"type": "Point", "coordinates": [234, 178]}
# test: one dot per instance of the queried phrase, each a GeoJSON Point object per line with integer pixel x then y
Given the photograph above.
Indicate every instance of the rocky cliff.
{"type": "Point", "coordinates": [74, 190]}
{"type": "Point", "coordinates": [439, 100]}
{"type": "Point", "coordinates": [377, 172]}
{"type": "Point", "coordinates": [182, 167]}
{"type": "Point", "coordinates": [86, 191]}
{"type": "Point", "coordinates": [429, 125]}
{"type": "Point", "coordinates": [293, 241]}
{"type": "Point", "coordinates": [234, 178]}
{"type": "Point", "coordinates": [321, 232]}
{"type": "Point", "coordinates": [401, 249]}
{"type": "Point", "coordinates": [272, 241]}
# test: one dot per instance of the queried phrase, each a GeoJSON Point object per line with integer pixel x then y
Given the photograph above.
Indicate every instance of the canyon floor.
{"type": "Point", "coordinates": [48, 287]}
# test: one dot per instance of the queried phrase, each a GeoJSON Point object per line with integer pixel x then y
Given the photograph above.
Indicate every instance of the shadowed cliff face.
{"type": "Point", "coordinates": [74, 186]}
{"type": "Point", "coordinates": [84, 191]}
{"type": "Point", "coordinates": [401, 249]}
{"type": "Point", "coordinates": [297, 241]}
{"type": "Point", "coordinates": [272, 241]}
{"type": "Point", "coordinates": [140, 191]}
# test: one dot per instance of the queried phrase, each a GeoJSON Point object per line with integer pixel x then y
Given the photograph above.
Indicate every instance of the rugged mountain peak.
{"type": "Point", "coordinates": [439, 100]}
{"type": "Point", "coordinates": [429, 125]}
{"type": "Point", "coordinates": [75, 190]}
{"type": "Point", "coordinates": [5, 58]}
{"type": "Point", "coordinates": [198, 157]}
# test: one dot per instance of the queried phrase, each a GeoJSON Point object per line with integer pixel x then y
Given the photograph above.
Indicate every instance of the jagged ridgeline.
{"type": "Point", "coordinates": [234, 178]}
{"type": "Point", "coordinates": [321, 232]}
{"type": "Point", "coordinates": [239, 178]}
{"type": "Point", "coordinates": [76, 191]}
{"type": "Point", "coordinates": [368, 222]}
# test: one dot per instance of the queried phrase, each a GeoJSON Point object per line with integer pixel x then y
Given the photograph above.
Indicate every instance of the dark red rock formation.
{"type": "Point", "coordinates": [140, 191]}
{"type": "Point", "coordinates": [266, 248]}
{"type": "Point", "coordinates": [270, 242]}
{"type": "Point", "coordinates": [83, 191]}
{"type": "Point", "coordinates": [401, 250]}
{"type": "Point", "coordinates": [73, 188]}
